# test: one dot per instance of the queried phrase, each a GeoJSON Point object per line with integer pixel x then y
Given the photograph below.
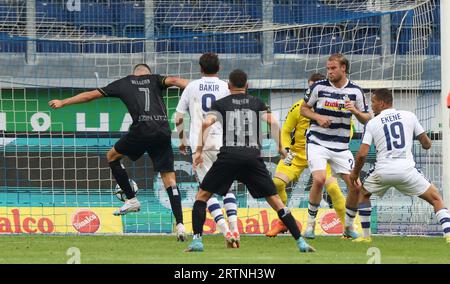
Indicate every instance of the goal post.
{"type": "Point", "coordinates": [445, 91]}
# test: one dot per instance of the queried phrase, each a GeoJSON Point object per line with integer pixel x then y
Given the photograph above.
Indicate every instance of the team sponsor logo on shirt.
{"type": "Point", "coordinates": [335, 105]}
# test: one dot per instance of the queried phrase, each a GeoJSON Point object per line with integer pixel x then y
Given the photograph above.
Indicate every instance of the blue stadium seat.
{"type": "Point", "coordinates": [12, 44]}
{"type": "Point", "coordinates": [53, 11]}
{"type": "Point", "coordinates": [283, 14]}
{"type": "Point", "coordinates": [287, 42]}
{"type": "Point", "coordinates": [99, 47]}
{"type": "Point", "coordinates": [129, 14]}
{"type": "Point", "coordinates": [93, 13]}
{"type": "Point", "coordinates": [367, 40]}
{"type": "Point", "coordinates": [403, 39]}
{"type": "Point", "coordinates": [134, 31]}
{"type": "Point", "coordinates": [95, 18]}
{"type": "Point", "coordinates": [132, 47]}
{"type": "Point", "coordinates": [50, 46]}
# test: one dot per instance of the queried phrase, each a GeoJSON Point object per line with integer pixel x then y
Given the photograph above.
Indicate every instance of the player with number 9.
{"type": "Point", "coordinates": [196, 101]}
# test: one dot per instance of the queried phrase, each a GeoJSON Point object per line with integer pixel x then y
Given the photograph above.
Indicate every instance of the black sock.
{"type": "Point", "coordinates": [121, 177]}
{"type": "Point", "coordinates": [198, 217]}
{"type": "Point", "coordinates": [289, 221]}
{"type": "Point", "coordinates": [175, 203]}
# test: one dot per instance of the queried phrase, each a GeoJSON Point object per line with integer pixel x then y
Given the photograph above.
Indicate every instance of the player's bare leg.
{"type": "Point", "coordinates": [433, 197]}
{"type": "Point", "coordinates": [351, 207]}
{"type": "Point", "coordinates": [315, 196]}
{"type": "Point", "coordinates": [285, 215]}
{"type": "Point", "coordinates": [121, 176]}
{"type": "Point", "coordinates": [170, 184]}
{"type": "Point", "coordinates": [365, 211]}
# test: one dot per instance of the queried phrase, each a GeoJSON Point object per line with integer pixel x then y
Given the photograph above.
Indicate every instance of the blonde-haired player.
{"type": "Point", "coordinates": [288, 170]}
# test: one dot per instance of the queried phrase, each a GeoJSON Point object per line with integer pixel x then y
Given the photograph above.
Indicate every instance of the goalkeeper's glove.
{"type": "Point", "coordinates": [290, 156]}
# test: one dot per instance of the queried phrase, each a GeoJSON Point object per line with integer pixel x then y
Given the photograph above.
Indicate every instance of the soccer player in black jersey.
{"type": "Point", "coordinates": [150, 132]}
{"type": "Point", "coordinates": [240, 157]}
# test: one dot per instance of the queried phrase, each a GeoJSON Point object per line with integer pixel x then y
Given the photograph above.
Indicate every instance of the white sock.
{"type": "Point", "coordinates": [216, 212]}
{"type": "Point", "coordinates": [312, 214]}
{"type": "Point", "coordinates": [230, 205]}
{"type": "Point", "coordinates": [350, 218]}
{"type": "Point", "coordinates": [180, 227]}
{"type": "Point", "coordinates": [444, 219]}
{"type": "Point", "coordinates": [364, 214]}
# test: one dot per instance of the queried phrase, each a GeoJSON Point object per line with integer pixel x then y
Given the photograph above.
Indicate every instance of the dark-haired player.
{"type": "Point", "coordinates": [240, 157]}
{"type": "Point", "coordinates": [142, 94]}
{"type": "Point", "coordinates": [196, 100]}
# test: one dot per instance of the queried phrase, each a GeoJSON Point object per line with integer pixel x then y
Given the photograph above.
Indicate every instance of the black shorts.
{"type": "Point", "coordinates": [158, 148]}
{"type": "Point", "coordinates": [252, 172]}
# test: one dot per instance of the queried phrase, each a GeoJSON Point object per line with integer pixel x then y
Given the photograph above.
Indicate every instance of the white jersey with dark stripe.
{"type": "Point", "coordinates": [329, 101]}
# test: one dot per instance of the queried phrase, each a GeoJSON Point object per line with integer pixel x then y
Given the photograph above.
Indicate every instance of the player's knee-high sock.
{"type": "Point", "coordinates": [312, 213]}
{"type": "Point", "coordinates": [289, 221]}
{"type": "Point", "coordinates": [338, 199]}
{"type": "Point", "coordinates": [444, 219]}
{"type": "Point", "coordinates": [121, 176]}
{"type": "Point", "coordinates": [216, 213]}
{"type": "Point", "coordinates": [350, 218]}
{"type": "Point", "coordinates": [281, 188]}
{"type": "Point", "coordinates": [198, 218]}
{"type": "Point", "coordinates": [365, 210]}
{"type": "Point", "coordinates": [230, 205]}
{"type": "Point", "coordinates": [175, 203]}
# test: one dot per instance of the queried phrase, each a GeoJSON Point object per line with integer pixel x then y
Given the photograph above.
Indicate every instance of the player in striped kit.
{"type": "Point", "coordinates": [196, 100]}
{"type": "Point", "coordinates": [330, 105]}
{"type": "Point", "coordinates": [392, 131]}
{"type": "Point", "coordinates": [293, 139]}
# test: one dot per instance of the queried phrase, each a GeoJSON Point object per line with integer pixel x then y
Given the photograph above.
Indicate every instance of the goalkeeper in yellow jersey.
{"type": "Point", "coordinates": [294, 140]}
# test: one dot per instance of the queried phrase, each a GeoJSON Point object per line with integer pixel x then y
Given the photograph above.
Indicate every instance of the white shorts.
{"type": "Point", "coordinates": [408, 181]}
{"type": "Point", "coordinates": [209, 157]}
{"type": "Point", "coordinates": [318, 157]}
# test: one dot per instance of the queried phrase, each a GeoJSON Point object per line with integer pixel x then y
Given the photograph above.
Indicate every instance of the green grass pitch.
{"type": "Point", "coordinates": [254, 250]}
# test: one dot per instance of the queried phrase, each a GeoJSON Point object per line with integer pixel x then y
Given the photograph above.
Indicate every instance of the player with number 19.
{"type": "Point", "coordinates": [392, 131]}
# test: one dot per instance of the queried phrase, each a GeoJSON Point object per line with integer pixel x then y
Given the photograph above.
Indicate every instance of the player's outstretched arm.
{"type": "Point", "coordinates": [176, 82]}
{"type": "Point", "coordinates": [360, 160]}
{"type": "Point", "coordinates": [80, 98]}
{"type": "Point", "coordinates": [307, 112]}
{"type": "Point", "coordinates": [424, 140]}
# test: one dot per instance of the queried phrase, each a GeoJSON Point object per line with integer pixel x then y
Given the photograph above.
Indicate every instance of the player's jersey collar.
{"type": "Point", "coordinates": [388, 110]}
{"type": "Point", "coordinates": [345, 85]}
{"type": "Point", "coordinates": [210, 78]}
